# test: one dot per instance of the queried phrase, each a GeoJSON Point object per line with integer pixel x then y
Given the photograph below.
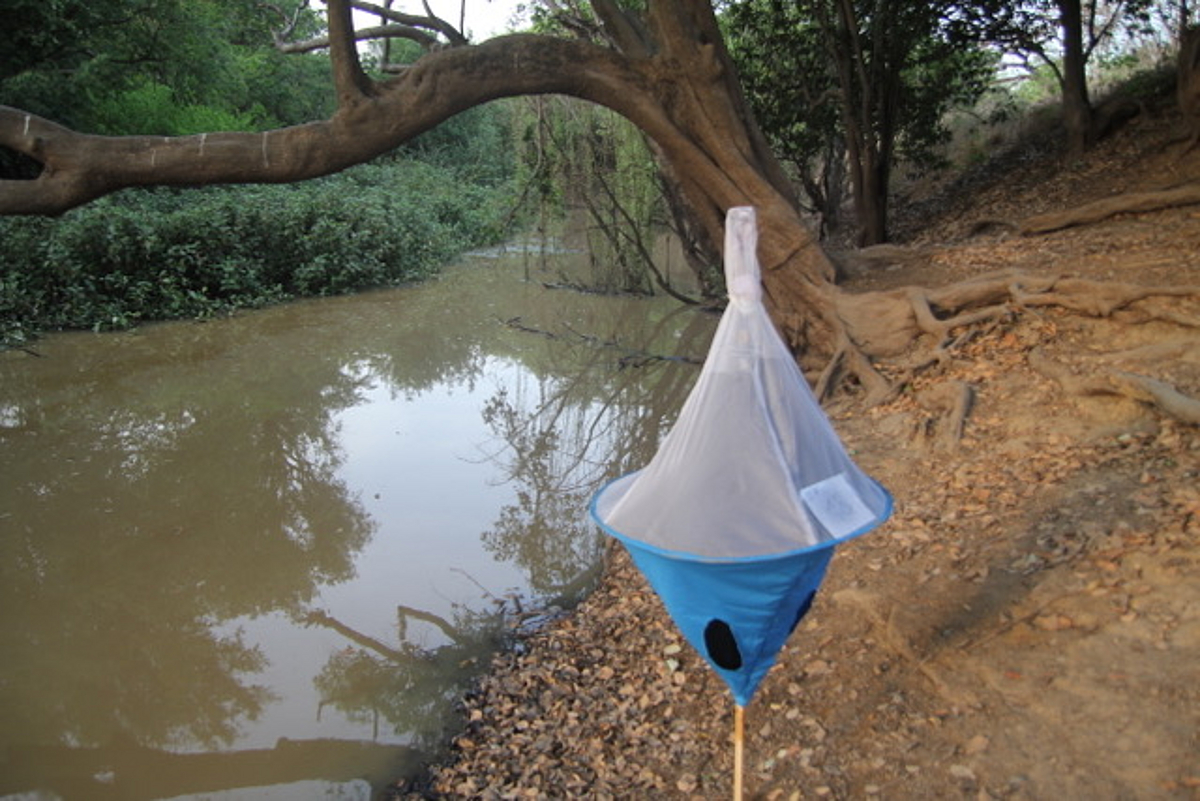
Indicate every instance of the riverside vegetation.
{"type": "Point", "coordinates": [174, 254]}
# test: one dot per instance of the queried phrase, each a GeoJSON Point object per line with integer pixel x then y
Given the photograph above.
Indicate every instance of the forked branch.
{"type": "Point", "coordinates": [351, 82]}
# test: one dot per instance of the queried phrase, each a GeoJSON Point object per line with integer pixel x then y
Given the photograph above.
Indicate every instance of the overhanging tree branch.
{"type": "Point", "coordinates": [371, 119]}
{"type": "Point", "coordinates": [424, 39]}
{"type": "Point", "coordinates": [682, 92]}
{"type": "Point", "coordinates": [429, 22]}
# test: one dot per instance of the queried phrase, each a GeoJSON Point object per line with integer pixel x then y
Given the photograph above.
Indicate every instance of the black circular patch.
{"type": "Point", "coordinates": [721, 645]}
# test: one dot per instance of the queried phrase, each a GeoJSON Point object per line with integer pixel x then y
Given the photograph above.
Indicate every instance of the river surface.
{"type": "Point", "coordinates": [260, 557]}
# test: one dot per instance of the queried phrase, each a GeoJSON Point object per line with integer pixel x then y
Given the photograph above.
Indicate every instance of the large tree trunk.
{"type": "Point", "coordinates": [868, 96]}
{"type": "Point", "coordinates": [1187, 83]}
{"type": "Point", "coordinates": [1077, 108]}
{"type": "Point", "coordinates": [873, 205]}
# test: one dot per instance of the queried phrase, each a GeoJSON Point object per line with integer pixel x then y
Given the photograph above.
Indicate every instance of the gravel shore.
{"type": "Point", "coordinates": [590, 705]}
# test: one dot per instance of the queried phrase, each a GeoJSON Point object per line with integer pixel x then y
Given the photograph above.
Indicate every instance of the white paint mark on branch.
{"type": "Point", "coordinates": [27, 116]}
{"type": "Point", "coordinates": [203, 139]}
{"type": "Point", "coordinates": [265, 156]}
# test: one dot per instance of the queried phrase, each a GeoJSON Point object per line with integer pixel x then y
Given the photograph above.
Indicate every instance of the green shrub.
{"type": "Point", "coordinates": [170, 254]}
{"type": "Point", "coordinates": [149, 108]}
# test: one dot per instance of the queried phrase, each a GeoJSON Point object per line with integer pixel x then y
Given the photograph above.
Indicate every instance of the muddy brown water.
{"type": "Point", "coordinates": [260, 557]}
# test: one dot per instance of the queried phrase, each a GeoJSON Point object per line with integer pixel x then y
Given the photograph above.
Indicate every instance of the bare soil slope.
{"type": "Point", "coordinates": [1027, 626]}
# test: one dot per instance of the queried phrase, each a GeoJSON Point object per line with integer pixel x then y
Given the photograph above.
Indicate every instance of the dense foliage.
{"type": "Point", "coordinates": [156, 254]}
{"type": "Point", "coordinates": [177, 67]}
{"type": "Point", "coordinates": [157, 67]}
{"type": "Point", "coordinates": [846, 90]}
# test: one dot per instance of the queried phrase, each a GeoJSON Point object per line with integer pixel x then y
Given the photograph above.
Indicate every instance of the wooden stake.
{"type": "Point", "coordinates": [738, 738]}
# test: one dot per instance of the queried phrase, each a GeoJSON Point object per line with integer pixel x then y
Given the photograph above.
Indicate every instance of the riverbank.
{"type": "Point", "coordinates": [1026, 626]}
{"type": "Point", "coordinates": [1002, 637]}
{"type": "Point", "coordinates": [592, 704]}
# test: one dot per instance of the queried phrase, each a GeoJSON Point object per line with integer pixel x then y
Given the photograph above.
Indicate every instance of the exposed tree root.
{"type": "Point", "coordinates": [850, 360]}
{"type": "Point", "coordinates": [891, 325]}
{"type": "Point", "coordinates": [1130, 202]}
{"type": "Point", "coordinates": [1098, 298]}
{"type": "Point", "coordinates": [1178, 349]}
{"type": "Point", "coordinates": [1144, 389]}
{"type": "Point", "coordinates": [1127, 203]}
{"type": "Point", "coordinates": [886, 324]}
{"type": "Point", "coordinates": [948, 403]}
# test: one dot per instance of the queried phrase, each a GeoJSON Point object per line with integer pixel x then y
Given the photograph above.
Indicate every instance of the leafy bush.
{"type": "Point", "coordinates": [168, 254]}
{"type": "Point", "coordinates": [470, 142]}
{"type": "Point", "coordinates": [149, 108]}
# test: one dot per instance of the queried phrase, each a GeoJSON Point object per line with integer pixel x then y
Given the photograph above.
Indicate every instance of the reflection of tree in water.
{"type": "Point", "coordinates": [564, 433]}
{"type": "Point", "coordinates": [411, 686]}
{"type": "Point", "coordinates": [542, 530]}
{"type": "Point", "coordinates": [159, 505]}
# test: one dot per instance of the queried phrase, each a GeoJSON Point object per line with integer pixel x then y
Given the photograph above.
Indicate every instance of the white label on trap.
{"type": "Point", "coordinates": [836, 506]}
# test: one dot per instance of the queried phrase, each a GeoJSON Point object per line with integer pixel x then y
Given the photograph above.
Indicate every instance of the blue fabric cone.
{"type": "Point", "coordinates": [759, 603]}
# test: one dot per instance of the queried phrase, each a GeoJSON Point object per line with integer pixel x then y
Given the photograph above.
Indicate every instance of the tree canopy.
{"type": "Point", "coordinates": [866, 83]}
{"type": "Point", "coordinates": [665, 67]}
{"type": "Point", "coordinates": [165, 67]}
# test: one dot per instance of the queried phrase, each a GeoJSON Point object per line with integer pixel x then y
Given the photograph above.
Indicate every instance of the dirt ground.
{"type": "Point", "coordinates": [1027, 625]}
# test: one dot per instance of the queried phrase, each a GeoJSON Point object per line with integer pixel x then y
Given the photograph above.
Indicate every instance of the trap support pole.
{"type": "Point", "coordinates": [738, 740]}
